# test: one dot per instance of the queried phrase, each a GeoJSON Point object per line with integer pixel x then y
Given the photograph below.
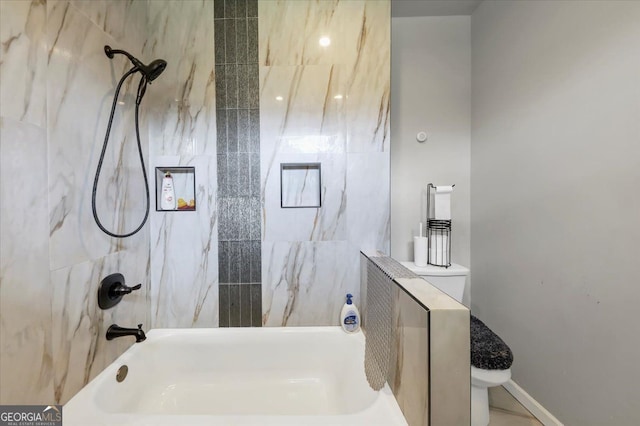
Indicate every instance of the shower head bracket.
{"type": "Point", "coordinates": [108, 51]}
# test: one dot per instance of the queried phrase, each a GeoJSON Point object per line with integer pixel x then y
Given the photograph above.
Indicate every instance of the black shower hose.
{"type": "Point", "coordinates": [141, 90]}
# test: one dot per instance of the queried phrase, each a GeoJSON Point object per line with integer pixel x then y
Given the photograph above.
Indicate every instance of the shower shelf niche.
{"type": "Point", "coordinates": [184, 185]}
{"type": "Point", "coordinates": [300, 185]}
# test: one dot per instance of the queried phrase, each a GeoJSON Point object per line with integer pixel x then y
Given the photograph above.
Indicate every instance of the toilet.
{"type": "Point", "coordinates": [491, 358]}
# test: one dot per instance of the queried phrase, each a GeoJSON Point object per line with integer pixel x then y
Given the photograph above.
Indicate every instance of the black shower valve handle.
{"type": "Point", "coordinates": [121, 290]}
{"type": "Point", "coordinates": [111, 290]}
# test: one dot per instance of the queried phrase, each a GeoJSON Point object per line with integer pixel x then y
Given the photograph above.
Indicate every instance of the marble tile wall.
{"type": "Point", "coordinates": [182, 131]}
{"type": "Point", "coordinates": [429, 366]}
{"type": "Point", "coordinates": [329, 105]}
{"type": "Point", "coordinates": [80, 349]}
{"type": "Point", "coordinates": [80, 85]}
{"type": "Point", "coordinates": [302, 276]}
{"type": "Point", "coordinates": [25, 293]}
{"type": "Point", "coordinates": [409, 373]}
{"type": "Point", "coordinates": [25, 333]}
{"type": "Point", "coordinates": [57, 87]}
{"type": "Point", "coordinates": [184, 254]}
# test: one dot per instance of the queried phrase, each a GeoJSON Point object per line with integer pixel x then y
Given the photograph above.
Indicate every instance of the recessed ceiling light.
{"type": "Point", "coordinates": [279, 98]}
{"type": "Point", "coordinates": [324, 41]}
{"type": "Point", "coordinates": [338, 96]}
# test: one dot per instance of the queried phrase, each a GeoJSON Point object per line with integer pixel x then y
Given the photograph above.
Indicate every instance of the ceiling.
{"type": "Point", "coordinates": [409, 8]}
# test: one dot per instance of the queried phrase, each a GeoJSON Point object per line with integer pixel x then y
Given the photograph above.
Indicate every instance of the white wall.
{"type": "Point", "coordinates": [430, 90]}
{"type": "Point", "coordinates": [556, 132]}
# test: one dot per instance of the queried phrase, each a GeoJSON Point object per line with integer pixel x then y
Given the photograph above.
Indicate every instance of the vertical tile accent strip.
{"type": "Point", "coordinates": [238, 143]}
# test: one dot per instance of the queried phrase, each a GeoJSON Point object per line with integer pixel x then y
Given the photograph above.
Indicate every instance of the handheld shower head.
{"type": "Point", "coordinates": [150, 72]}
{"type": "Point", "coordinates": [154, 69]}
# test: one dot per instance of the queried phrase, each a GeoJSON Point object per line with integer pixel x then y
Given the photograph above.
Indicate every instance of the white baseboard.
{"type": "Point", "coordinates": [541, 413]}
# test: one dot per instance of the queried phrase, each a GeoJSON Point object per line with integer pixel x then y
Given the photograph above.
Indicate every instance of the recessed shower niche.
{"type": "Point", "coordinates": [300, 185]}
{"type": "Point", "coordinates": [184, 188]}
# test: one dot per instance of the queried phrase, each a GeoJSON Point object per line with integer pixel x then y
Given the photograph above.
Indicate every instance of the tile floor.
{"type": "Point", "coordinates": [505, 410]}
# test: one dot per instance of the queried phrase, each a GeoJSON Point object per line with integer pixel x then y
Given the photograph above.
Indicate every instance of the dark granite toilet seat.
{"type": "Point", "coordinates": [488, 350]}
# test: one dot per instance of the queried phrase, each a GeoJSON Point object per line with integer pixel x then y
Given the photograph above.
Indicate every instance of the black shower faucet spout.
{"type": "Point", "coordinates": [116, 331]}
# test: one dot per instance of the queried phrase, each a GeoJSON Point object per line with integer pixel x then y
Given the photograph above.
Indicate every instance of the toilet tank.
{"type": "Point", "coordinates": [451, 280]}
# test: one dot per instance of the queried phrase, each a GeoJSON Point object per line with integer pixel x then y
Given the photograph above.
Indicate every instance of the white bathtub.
{"type": "Point", "coordinates": [237, 376]}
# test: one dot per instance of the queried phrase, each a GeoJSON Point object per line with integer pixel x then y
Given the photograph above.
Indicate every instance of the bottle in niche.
{"type": "Point", "coordinates": [168, 200]}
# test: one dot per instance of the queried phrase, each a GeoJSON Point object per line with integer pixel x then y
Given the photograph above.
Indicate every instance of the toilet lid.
{"type": "Point", "coordinates": [488, 350]}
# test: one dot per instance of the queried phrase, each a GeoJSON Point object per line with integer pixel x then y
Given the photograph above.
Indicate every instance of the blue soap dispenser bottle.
{"type": "Point", "coordinates": [349, 316]}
